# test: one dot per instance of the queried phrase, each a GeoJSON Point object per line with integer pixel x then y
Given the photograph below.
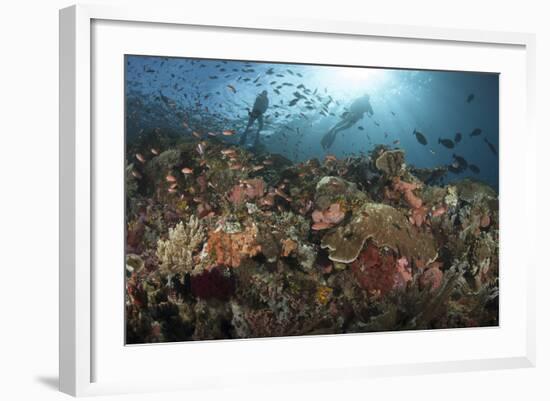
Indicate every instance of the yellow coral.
{"type": "Point", "coordinates": [323, 294]}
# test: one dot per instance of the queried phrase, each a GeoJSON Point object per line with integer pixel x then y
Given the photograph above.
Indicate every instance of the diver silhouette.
{"type": "Point", "coordinates": [260, 106]}
{"type": "Point", "coordinates": [356, 111]}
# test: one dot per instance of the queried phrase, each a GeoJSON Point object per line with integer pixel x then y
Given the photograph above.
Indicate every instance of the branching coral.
{"type": "Point", "coordinates": [176, 253]}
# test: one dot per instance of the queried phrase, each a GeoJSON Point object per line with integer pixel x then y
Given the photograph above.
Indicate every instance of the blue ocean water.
{"type": "Point", "coordinates": [457, 109]}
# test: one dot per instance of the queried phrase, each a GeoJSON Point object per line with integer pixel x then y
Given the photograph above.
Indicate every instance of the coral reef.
{"type": "Point", "coordinates": [224, 243]}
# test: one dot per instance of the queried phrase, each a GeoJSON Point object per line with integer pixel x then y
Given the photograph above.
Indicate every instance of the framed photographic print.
{"type": "Point", "coordinates": [340, 197]}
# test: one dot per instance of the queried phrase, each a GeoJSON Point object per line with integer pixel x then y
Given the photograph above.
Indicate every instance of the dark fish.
{"type": "Point", "coordinates": [360, 127]}
{"type": "Point", "coordinates": [476, 132]}
{"type": "Point", "coordinates": [470, 98]}
{"type": "Point", "coordinates": [213, 77]}
{"type": "Point", "coordinates": [300, 75]}
{"type": "Point", "coordinates": [454, 169]}
{"type": "Point", "coordinates": [447, 143]}
{"type": "Point", "coordinates": [420, 137]}
{"type": "Point", "coordinates": [458, 137]}
{"type": "Point", "coordinates": [392, 113]}
{"type": "Point", "coordinates": [491, 147]}
{"type": "Point", "coordinates": [293, 101]}
{"type": "Point", "coordinates": [461, 161]}
{"type": "Point", "coordinates": [474, 168]}
{"type": "Point", "coordinates": [269, 72]}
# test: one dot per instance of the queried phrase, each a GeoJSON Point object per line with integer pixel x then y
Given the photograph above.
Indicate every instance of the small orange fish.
{"type": "Point", "coordinates": [320, 226]}
{"type": "Point", "coordinates": [236, 166]}
{"type": "Point", "coordinates": [229, 132]}
{"type": "Point", "coordinates": [197, 135]}
{"type": "Point", "coordinates": [267, 162]}
{"type": "Point", "coordinates": [136, 174]}
{"type": "Point", "coordinates": [171, 178]}
{"type": "Point", "coordinates": [257, 168]}
{"type": "Point", "coordinates": [232, 88]}
{"type": "Point", "coordinates": [174, 185]}
{"type": "Point", "coordinates": [172, 190]}
{"type": "Point", "coordinates": [185, 124]}
{"type": "Point", "coordinates": [331, 158]}
{"type": "Point", "coordinates": [154, 151]}
{"type": "Point", "coordinates": [228, 152]}
{"type": "Point", "coordinates": [212, 134]}
{"type": "Point", "coordinates": [187, 170]}
{"type": "Point", "coordinates": [282, 195]}
{"type": "Point", "coordinates": [140, 157]}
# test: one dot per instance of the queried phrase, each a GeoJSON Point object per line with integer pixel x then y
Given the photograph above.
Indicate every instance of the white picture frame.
{"type": "Point", "coordinates": [79, 344]}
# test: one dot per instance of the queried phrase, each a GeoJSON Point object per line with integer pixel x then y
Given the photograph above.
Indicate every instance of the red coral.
{"type": "Point", "coordinates": [419, 212]}
{"type": "Point", "coordinates": [419, 215]}
{"type": "Point", "coordinates": [403, 273]}
{"type": "Point", "coordinates": [327, 218]}
{"type": "Point", "coordinates": [432, 277]}
{"type": "Point", "coordinates": [439, 211]}
{"type": "Point", "coordinates": [380, 273]}
{"type": "Point", "coordinates": [212, 284]}
{"type": "Point", "coordinates": [406, 189]}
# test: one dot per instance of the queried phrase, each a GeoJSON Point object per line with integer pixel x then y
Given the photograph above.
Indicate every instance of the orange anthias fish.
{"type": "Point", "coordinates": [197, 135]}
{"type": "Point", "coordinates": [187, 170]}
{"type": "Point", "coordinates": [140, 157]}
{"type": "Point", "coordinates": [171, 178]}
{"type": "Point", "coordinates": [331, 158]}
{"type": "Point", "coordinates": [228, 132]}
{"type": "Point", "coordinates": [154, 151]}
{"type": "Point", "coordinates": [321, 226]}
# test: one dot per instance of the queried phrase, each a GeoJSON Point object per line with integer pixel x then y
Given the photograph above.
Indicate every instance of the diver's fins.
{"type": "Point", "coordinates": [328, 139]}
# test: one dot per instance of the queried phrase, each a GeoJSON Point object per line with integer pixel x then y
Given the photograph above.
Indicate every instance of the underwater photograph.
{"type": "Point", "coordinates": [268, 199]}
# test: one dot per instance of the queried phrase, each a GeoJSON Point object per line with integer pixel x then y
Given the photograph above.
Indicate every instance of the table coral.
{"type": "Point", "coordinates": [386, 226]}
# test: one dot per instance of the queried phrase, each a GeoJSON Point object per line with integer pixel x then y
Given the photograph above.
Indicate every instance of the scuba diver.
{"type": "Point", "coordinates": [356, 111]}
{"type": "Point", "coordinates": [260, 106]}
